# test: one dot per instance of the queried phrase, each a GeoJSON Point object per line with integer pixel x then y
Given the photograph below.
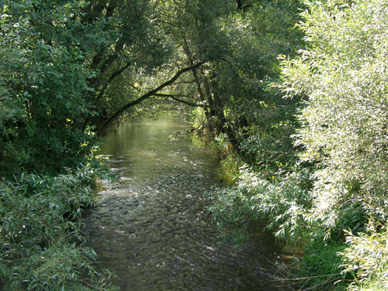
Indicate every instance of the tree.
{"type": "Point", "coordinates": [342, 73]}
{"type": "Point", "coordinates": [44, 84]}
{"type": "Point", "coordinates": [236, 84]}
{"type": "Point", "coordinates": [183, 26]}
{"type": "Point", "coordinates": [136, 49]}
{"type": "Point", "coordinates": [46, 173]}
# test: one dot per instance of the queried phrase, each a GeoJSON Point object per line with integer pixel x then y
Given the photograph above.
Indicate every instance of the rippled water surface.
{"type": "Point", "coordinates": [152, 229]}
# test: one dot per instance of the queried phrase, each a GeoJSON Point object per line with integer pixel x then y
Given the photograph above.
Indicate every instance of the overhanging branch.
{"type": "Point", "coordinates": [146, 96]}
{"type": "Point", "coordinates": [113, 76]}
{"type": "Point", "coordinates": [180, 100]}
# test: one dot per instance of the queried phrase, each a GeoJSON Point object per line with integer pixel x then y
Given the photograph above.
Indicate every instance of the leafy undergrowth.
{"type": "Point", "coordinates": [42, 247]}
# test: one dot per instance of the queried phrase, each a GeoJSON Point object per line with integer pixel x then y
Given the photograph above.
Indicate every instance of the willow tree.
{"type": "Point", "coordinates": [343, 73]}
{"type": "Point", "coordinates": [240, 48]}
{"type": "Point", "coordinates": [136, 50]}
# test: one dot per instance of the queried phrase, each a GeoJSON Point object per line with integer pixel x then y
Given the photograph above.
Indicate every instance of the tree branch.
{"type": "Point", "coordinates": [146, 96]}
{"type": "Point", "coordinates": [180, 100]}
{"type": "Point", "coordinates": [112, 77]}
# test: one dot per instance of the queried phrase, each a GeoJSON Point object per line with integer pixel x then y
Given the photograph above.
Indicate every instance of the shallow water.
{"type": "Point", "coordinates": [152, 229]}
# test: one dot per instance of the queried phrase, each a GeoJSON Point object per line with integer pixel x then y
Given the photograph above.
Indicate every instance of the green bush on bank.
{"type": "Point", "coordinates": [282, 203]}
{"type": "Point", "coordinates": [367, 256]}
{"type": "Point", "coordinates": [42, 247]}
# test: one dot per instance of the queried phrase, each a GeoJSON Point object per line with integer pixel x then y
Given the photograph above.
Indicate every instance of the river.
{"type": "Point", "coordinates": [152, 229]}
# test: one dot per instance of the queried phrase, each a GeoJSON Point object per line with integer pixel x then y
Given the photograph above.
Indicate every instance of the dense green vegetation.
{"type": "Point", "coordinates": [292, 92]}
{"type": "Point", "coordinates": [326, 195]}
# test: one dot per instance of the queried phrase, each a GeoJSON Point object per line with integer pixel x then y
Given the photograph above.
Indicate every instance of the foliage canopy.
{"type": "Point", "coordinates": [309, 127]}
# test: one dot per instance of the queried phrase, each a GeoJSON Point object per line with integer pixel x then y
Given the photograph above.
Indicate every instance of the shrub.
{"type": "Point", "coordinates": [367, 257]}
{"type": "Point", "coordinates": [42, 247]}
{"type": "Point", "coordinates": [281, 202]}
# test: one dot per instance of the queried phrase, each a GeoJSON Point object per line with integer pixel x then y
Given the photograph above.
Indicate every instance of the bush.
{"type": "Point", "coordinates": [281, 202]}
{"type": "Point", "coordinates": [42, 247]}
{"type": "Point", "coordinates": [230, 169]}
{"type": "Point", "coordinates": [367, 257]}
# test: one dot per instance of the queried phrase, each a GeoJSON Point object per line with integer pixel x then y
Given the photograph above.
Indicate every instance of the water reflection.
{"type": "Point", "coordinates": [152, 230]}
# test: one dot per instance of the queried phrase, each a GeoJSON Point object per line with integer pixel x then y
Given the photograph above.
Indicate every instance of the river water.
{"type": "Point", "coordinates": [152, 229]}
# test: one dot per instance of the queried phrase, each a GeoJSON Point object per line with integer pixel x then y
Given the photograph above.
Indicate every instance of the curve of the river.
{"type": "Point", "coordinates": [152, 229]}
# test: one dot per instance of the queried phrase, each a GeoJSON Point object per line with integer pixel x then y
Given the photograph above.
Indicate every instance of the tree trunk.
{"type": "Point", "coordinates": [200, 90]}
{"type": "Point", "coordinates": [219, 110]}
